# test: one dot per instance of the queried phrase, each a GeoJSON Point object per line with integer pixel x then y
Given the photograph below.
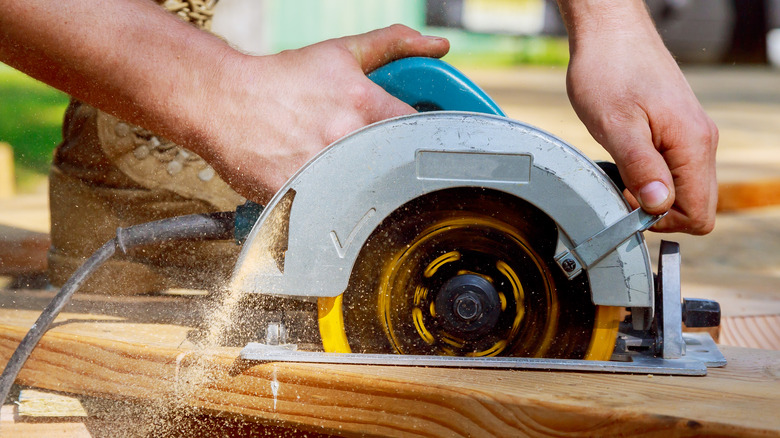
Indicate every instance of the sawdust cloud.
{"type": "Point", "coordinates": [222, 323]}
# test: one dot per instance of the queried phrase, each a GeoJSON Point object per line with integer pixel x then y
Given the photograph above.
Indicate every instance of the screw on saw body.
{"type": "Point", "coordinates": [569, 265]}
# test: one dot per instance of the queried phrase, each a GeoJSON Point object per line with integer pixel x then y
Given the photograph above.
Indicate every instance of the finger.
{"type": "Point", "coordinates": [642, 167]}
{"type": "Point", "coordinates": [691, 160]}
{"type": "Point", "coordinates": [383, 105]}
{"type": "Point", "coordinates": [376, 48]}
{"type": "Point", "coordinates": [666, 224]}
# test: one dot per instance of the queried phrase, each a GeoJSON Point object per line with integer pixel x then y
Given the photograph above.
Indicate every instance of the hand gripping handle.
{"type": "Point", "coordinates": [427, 84]}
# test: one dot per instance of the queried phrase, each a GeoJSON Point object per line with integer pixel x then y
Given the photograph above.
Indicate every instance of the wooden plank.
{"type": "Point", "coordinates": [741, 195]}
{"type": "Point", "coordinates": [7, 181]}
{"type": "Point", "coordinates": [11, 428]}
{"type": "Point", "coordinates": [756, 331]}
{"type": "Point", "coordinates": [46, 404]}
{"type": "Point", "coordinates": [108, 357]}
{"type": "Point", "coordinates": [22, 252]}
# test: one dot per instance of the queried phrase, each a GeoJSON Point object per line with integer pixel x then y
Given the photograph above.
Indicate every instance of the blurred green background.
{"type": "Point", "coordinates": [30, 120]}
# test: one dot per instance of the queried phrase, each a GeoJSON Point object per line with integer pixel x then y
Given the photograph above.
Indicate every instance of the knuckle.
{"type": "Point", "coordinates": [705, 136]}
{"type": "Point", "coordinates": [701, 225]}
{"type": "Point", "coordinates": [635, 159]}
{"type": "Point", "coordinates": [705, 133]}
{"type": "Point", "coordinates": [403, 30]}
{"type": "Point", "coordinates": [714, 136]}
{"type": "Point", "coordinates": [358, 94]}
{"type": "Point", "coordinates": [398, 27]}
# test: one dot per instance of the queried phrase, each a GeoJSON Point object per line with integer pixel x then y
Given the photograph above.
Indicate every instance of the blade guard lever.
{"type": "Point", "coordinates": [593, 249]}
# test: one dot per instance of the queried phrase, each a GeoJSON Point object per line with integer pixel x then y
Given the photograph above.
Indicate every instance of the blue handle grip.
{"type": "Point", "coordinates": [429, 84]}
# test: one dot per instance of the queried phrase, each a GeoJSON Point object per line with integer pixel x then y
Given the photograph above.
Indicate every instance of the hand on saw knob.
{"type": "Point", "coordinates": [635, 101]}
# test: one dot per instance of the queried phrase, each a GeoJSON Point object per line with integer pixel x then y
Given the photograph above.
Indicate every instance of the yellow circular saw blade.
{"type": "Point", "coordinates": [390, 303]}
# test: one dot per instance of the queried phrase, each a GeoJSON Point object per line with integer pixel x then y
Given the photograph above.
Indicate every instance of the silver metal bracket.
{"type": "Point", "coordinates": [593, 249]}
{"type": "Point", "coordinates": [668, 302]}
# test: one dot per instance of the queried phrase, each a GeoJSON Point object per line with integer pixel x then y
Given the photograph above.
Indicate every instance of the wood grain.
{"type": "Point", "coordinates": [100, 356]}
{"type": "Point", "coordinates": [757, 331]}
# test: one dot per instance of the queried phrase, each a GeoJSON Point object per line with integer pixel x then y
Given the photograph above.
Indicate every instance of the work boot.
{"type": "Point", "coordinates": [108, 174]}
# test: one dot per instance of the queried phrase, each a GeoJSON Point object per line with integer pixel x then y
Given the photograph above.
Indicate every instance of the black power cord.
{"type": "Point", "coordinates": [213, 226]}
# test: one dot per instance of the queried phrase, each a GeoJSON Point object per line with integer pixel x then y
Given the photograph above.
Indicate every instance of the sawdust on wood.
{"type": "Point", "coordinates": [175, 417]}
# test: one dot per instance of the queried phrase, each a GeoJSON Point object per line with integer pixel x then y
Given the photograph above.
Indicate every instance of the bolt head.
{"type": "Point", "coordinates": [468, 307]}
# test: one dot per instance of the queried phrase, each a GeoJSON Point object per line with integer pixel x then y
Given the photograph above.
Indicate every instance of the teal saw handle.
{"type": "Point", "coordinates": [429, 84]}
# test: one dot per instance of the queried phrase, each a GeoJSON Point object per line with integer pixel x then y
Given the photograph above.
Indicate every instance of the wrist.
{"type": "Point", "coordinates": [585, 17]}
{"type": "Point", "coordinates": [204, 97]}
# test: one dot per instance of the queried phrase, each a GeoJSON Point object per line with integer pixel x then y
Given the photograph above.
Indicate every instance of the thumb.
{"type": "Point", "coordinates": [643, 170]}
{"type": "Point", "coordinates": [376, 48]}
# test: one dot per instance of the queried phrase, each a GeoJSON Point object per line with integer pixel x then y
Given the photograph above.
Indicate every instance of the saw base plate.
{"type": "Point", "coordinates": [701, 352]}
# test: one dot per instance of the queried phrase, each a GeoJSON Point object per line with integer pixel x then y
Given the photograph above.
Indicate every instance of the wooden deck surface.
{"type": "Point", "coordinates": [126, 352]}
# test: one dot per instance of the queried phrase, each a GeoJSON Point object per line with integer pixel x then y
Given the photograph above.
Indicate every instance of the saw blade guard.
{"type": "Point", "coordinates": [307, 240]}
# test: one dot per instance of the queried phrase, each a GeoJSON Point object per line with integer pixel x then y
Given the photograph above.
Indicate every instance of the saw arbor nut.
{"type": "Point", "coordinates": [469, 304]}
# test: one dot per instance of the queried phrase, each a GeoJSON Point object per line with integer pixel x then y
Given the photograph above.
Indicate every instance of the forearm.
{"type": "Point", "coordinates": [128, 57]}
{"type": "Point", "coordinates": [591, 23]}
{"type": "Point", "coordinates": [256, 120]}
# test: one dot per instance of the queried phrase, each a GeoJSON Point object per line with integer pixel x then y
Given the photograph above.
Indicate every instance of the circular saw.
{"type": "Point", "coordinates": [460, 237]}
